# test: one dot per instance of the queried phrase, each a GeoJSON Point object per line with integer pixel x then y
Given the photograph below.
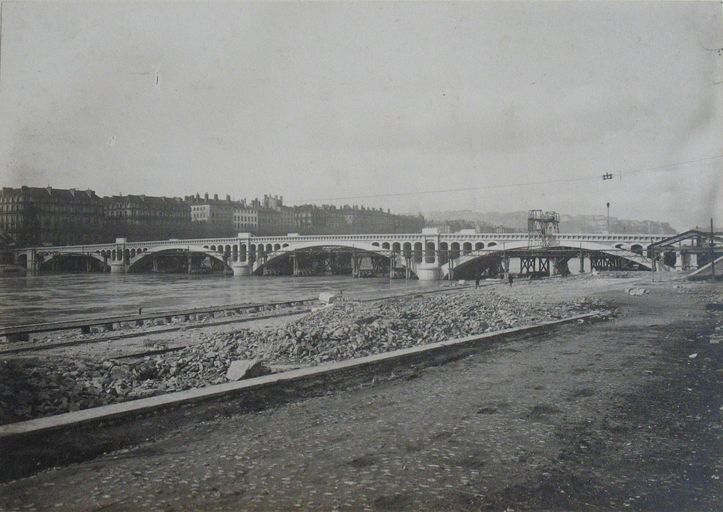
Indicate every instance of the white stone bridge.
{"type": "Point", "coordinates": [428, 255]}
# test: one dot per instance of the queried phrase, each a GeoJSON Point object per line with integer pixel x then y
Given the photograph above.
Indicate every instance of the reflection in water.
{"type": "Point", "coordinates": [51, 297]}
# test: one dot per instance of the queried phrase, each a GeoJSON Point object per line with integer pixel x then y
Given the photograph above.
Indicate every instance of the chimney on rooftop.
{"type": "Point", "coordinates": [205, 196]}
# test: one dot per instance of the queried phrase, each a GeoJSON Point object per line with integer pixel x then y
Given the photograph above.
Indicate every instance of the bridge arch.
{"type": "Point", "coordinates": [300, 246]}
{"type": "Point", "coordinates": [213, 253]}
{"type": "Point", "coordinates": [493, 248]}
{"type": "Point", "coordinates": [43, 258]}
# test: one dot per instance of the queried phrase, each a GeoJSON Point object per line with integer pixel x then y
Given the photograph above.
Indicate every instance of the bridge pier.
{"type": "Point", "coordinates": [678, 261]}
{"type": "Point", "coordinates": [241, 268]}
{"type": "Point", "coordinates": [32, 261]}
{"type": "Point", "coordinates": [118, 264]}
{"type": "Point", "coordinates": [117, 267]}
{"type": "Point", "coordinates": [428, 272]}
{"type": "Point", "coordinates": [692, 261]}
{"type": "Point", "coordinates": [685, 261]}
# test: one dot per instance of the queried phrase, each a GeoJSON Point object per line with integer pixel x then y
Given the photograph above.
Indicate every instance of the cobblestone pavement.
{"type": "Point", "coordinates": [609, 416]}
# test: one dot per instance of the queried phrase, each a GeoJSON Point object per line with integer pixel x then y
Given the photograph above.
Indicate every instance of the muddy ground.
{"type": "Point", "coordinates": [621, 414]}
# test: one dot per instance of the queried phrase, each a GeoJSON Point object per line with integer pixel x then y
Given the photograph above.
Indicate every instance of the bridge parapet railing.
{"type": "Point", "coordinates": [343, 238]}
{"type": "Point", "coordinates": [191, 241]}
{"type": "Point", "coordinates": [69, 248]}
{"type": "Point", "coordinates": [619, 237]}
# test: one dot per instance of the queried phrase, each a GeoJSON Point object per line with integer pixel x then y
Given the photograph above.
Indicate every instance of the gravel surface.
{"type": "Point", "coordinates": [41, 386]}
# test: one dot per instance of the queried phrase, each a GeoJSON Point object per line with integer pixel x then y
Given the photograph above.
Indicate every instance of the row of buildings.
{"type": "Point", "coordinates": [51, 216]}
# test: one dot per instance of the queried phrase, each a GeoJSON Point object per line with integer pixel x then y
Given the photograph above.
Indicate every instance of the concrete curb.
{"type": "Point", "coordinates": [43, 442]}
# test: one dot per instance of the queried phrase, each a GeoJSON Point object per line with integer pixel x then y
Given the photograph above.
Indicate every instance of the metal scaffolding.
{"type": "Point", "coordinates": [542, 227]}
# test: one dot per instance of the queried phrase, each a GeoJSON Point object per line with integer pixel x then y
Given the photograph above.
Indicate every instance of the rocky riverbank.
{"type": "Point", "coordinates": [36, 387]}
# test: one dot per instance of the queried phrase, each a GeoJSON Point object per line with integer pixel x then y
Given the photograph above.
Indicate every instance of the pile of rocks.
{"type": "Point", "coordinates": [31, 387]}
{"type": "Point", "coordinates": [340, 331]}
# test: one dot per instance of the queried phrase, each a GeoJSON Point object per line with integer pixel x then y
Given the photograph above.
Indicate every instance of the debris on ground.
{"type": "Point", "coordinates": [637, 291]}
{"type": "Point", "coordinates": [36, 387]}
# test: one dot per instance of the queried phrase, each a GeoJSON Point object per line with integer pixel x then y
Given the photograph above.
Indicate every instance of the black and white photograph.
{"type": "Point", "coordinates": [361, 255]}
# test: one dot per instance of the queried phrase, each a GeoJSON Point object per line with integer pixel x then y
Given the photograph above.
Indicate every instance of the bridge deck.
{"type": "Point", "coordinates": [391, 237]}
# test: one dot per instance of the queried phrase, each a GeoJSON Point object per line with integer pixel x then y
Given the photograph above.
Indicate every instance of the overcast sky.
{"type": "Point", "coordinates": [328, 100]}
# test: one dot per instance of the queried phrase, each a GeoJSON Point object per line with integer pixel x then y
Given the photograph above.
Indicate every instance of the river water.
{"type": "Point", "coordinates": [51, 297]}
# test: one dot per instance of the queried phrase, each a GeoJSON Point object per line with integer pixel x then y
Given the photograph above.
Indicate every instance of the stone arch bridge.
{"type": "Point", "coordinates": [428, 255]}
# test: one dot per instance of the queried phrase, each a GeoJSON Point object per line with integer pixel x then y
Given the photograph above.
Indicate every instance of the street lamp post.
{"type": "Point", "coordinates": [608, 205]}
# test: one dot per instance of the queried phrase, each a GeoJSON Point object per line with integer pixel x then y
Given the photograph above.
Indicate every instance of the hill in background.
{"type": "Point", "coordinates": [517, 221]}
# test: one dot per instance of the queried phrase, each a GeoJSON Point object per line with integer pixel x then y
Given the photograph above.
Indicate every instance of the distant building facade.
{"type": "Point", "coordinates": [332, 220]}
{"type": "Point", "coordinates": [212, 216]}
{"type": "Point", "coordinates": [49, 216]}
{"type": "Point", "coordinates": [246, 219]}
{"type": "Point", "coordinates": [212, 211]}
{"type": "Point", "coordinates": [274, 217]}
{"type": "Point", "coordinates": [140, 217]}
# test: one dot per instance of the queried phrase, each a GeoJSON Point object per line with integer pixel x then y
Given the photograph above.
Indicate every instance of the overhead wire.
{"type": "Point", "coordinates": [671, 168]}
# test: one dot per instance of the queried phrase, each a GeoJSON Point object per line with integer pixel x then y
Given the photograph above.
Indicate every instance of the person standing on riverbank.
{"type": "Point", "coordinates": [509, 278]}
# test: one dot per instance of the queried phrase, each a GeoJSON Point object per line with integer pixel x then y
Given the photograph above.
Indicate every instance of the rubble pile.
{"type": "Point", "coordinates": [32, 388]}
{"type": "Point", "coordinates": [340, 331]}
